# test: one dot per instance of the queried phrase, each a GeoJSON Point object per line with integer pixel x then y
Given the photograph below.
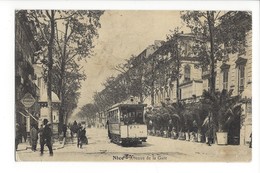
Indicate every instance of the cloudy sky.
{"type": "Point", "coordinates": [122, 34]}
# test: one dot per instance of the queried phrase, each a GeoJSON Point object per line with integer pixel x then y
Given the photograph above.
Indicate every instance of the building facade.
{"type": "Point", "coordinates": [177, 76]}
{"type": "Point", "coordinates": [43, 101]}
{"type": "Point", "coordinates": [235, 74]}
{"type": "Point", "coordinates": [28, 77]}
{"type": "Point", "coordinates": [25, 77]}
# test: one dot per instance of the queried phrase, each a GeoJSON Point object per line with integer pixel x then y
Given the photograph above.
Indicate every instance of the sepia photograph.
{"type": "Point", "coordinates": [133, 85]}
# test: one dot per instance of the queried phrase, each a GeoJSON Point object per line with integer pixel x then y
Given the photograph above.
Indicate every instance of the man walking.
{"type": "Point", "coordinates": [46, 135]}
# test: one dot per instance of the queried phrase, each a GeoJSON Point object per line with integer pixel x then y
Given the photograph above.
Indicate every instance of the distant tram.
{"type": "Point", "coordinates": [126, 123]}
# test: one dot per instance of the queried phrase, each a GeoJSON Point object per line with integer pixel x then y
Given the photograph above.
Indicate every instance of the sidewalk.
{"type": "Point", "coordinates": [26, 146]}
{"type": "Point", "coordinates": [215, 150]}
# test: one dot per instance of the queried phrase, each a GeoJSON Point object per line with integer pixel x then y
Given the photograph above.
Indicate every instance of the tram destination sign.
{"type": "Point", "coordinates": [28, 100]}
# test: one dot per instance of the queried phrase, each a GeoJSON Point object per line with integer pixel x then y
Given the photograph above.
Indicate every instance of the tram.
{"type": "Point", "coordinates": [126, 123]}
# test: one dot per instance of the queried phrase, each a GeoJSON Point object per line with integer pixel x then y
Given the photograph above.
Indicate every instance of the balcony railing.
{"type": "Point", "coordinates": [192, 99]}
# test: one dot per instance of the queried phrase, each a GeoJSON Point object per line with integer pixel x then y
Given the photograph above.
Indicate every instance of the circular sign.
{"type": "Point", "coordinates": [28, 100]}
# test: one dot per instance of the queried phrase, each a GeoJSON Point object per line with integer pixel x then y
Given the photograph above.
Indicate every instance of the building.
{"type": "Point", "coordinates": [43, 100]}
{"type": "Point", "coordinates": [138, 72]}
{"type": "Point", "coordinates": [28, 77]}
{"type": "Point", "coordinates": [176, 76]}
{"type": "Point", "coordinates": [25, 47]}
{"type": "Point", "coordinates": [235, 75]}
{"type": "Point", "coordinates": [170, 72]}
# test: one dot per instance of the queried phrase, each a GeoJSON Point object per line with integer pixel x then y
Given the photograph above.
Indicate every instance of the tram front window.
{"type": "Point", "coordinates": [133, 118]}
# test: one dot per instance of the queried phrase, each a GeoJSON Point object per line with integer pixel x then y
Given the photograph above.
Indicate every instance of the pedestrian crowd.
{"type": "Point", "coordinates": [45, 135]}
{"type": "Point", "coordinates": [80, 131]}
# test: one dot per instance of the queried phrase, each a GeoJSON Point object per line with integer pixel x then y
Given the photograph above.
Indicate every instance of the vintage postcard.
{"type": "Point", "coordinates": [133, 85]}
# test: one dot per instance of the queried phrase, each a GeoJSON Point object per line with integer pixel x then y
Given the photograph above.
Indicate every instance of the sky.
{"type": "Point", "coordinates": [122, 34]}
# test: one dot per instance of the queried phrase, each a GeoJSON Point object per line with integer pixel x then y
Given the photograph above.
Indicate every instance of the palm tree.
{"type": "Point", "coordinates": [222, 108]}
{"type": "Point", "coordinates": [198, 114]}
{"type": "Point", "coordinates": [181, 116]}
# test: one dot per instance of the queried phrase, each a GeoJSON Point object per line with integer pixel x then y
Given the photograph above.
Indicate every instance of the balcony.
{"type": "Point", "coordinates": [191, 89]}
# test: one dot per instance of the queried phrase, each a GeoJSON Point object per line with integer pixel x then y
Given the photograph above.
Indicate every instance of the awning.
{"type": "Point", "coordinates": [44, 97]}
{"type": "Point", "coordinates": [27, 115]}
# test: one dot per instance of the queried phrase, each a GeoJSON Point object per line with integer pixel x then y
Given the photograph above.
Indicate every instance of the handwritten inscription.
{"type": "Point", "coordinates": [128, 157]}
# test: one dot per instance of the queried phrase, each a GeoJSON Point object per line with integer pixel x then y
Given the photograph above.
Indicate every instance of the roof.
{"type": "Point", "coordinates": [44, 98]}
{"type": "Point", "coordinates": [132, 102]}
{"type": "Point", "coordinates": [127, 105]}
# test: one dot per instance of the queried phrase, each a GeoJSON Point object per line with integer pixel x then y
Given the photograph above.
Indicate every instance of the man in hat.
{"type": "Point", "coordinates": [46, 135]}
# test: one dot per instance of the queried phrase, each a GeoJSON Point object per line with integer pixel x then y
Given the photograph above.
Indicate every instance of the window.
{"type": "Point", "coordinates": [241, 62]}
{"type": "Point", "coordinates": [180, 97]}
{"type": "Point", "coordinates": [39, 82]}
{"type": "Point", "coordinates": [133, 116]}
{"type": "Point", "coordinates": [225, 68]}
{"type": "Point", "coordinates": [225, 79]}
{"type": "Point", "coordinates": [187, 73]}
{"type": "Point", "coordinates": [241, 78]}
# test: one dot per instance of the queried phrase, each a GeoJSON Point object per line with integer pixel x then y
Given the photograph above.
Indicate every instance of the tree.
{"type": "Point", "coordinates": [133, 72]}
{"type": "Point", "coordinates": [218, 33]}
{"type": "Point", "coordinates": [88, 113]}
{"type": "Point", "coordinates": [224, 106]}
{"type": "Point", "coordinates": [115, 91]}
{"type": "Point", "coordinates": [45, 23]}
{"type": "Point", "coordinates": [73, 33]}
{"type": "Point", "coordinates": [198, 113]}
{"type": "Point", "coordinates": [174, 48]}
{"type": "Point", "coordinates": [74, 45]}
{"type": "Point", "coordinates": [165, 63]}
